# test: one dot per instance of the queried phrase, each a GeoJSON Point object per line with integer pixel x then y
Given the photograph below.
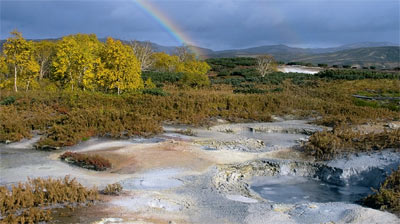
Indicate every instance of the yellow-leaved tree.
{"type": "Point", "coordinates": [43, 51]}
{"type": "Point", "coordinates": [194, 73]}
{"type": "Point", "coordinates": [163, 62]}
{"type": "Point", "coordinates": [76, 59]}
{"type": "Point", "coordinates": [19, 56]}
{"type": "Point", "coordinates": [121, 69]}
{"type": "Point", "coordinates": [4, 72]}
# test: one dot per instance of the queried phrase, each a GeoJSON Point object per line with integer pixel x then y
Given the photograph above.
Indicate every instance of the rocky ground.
{"type": "Point", "coordinates": [206, 175]}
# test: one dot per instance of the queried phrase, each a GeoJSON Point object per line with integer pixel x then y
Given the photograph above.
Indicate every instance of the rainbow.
{"type": "Point", "coordinates": [171, 27]}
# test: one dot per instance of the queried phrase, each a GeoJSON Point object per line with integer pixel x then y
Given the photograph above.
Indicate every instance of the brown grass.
{"type": "Point", "coordinates": [326, 145]}
{"type": "Point", "coordinates": [31, 202]}
{"type": "Point", "coordinates": [66, 118]}
{"type": "Point", "coordinates": [113, 189]}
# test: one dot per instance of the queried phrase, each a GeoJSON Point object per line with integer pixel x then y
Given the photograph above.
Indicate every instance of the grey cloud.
{"type": "Point", "coordinates": [216, 24]}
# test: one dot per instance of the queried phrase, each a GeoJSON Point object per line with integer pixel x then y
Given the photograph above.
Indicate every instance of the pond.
{"type": "Point", "coordinates": [297, 189]}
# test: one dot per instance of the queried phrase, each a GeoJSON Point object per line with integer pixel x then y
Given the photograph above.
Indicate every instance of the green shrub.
{"type": "Point", "coordinates": [155, 92]}
{"type": "Point", "coordinates": [162, 77]}
{"type": "Point", "coordinates": [195, 80]}
{"type": "Point", "coordinates": [8, 100]}
{"type": "Point", "coordinates": [350, 74]}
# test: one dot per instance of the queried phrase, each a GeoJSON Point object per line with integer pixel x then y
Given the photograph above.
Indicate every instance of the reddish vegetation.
{"type": "Point", "coordinates": [94, 162]}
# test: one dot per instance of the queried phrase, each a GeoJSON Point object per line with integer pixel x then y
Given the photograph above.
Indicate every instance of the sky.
{"type": "Point", "coordinates": [215, 24]}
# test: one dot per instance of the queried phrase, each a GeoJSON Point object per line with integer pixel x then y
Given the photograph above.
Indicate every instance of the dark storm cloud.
{"type": "Point", "coordinates": [216, 24]}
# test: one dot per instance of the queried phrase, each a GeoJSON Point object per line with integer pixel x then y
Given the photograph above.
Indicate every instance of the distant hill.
{"type": "Point", "coordinates": [380, 54]}
{"type": "Point", "coordinates": [382, 57]}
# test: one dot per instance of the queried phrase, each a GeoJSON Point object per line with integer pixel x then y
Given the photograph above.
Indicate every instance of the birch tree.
{"type": "Point", "coordinates": [143, 53]}
{"type": "Point", "coordinates": [121, 67]}
{"type": "Point", "coordinates": [43, 51]}
{"type": "Point", "coordinates": [184, 54]}
{"type": "Point", "coordinates": [19, 56]}
{"type": "Point", "coordinates": [265, 64]}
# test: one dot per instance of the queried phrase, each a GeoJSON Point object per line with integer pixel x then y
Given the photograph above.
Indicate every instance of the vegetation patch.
{"type": "Point", "coordinates": [353, 74]}
{"type": "Point", "coordinates": [155, 92]}
{"type": "Point", "coordinates": [8, 100]}
{"type": "Point", "coordinates": [388, 195]}
{"type": "Point", "coordinates": [391, 105]}
{"type": "Point", "coordinates": [31, 202]}
{"type": "Point", "coordinates": [250, 91]}
{"type": "Point", "coordinates": [327, 145]}
{"type": "Point", "coordinates": [93, 162]}
{"type": "Point", "coordinates": [113, 189]}
{"type": "Point", "coordinates": [188, 132]}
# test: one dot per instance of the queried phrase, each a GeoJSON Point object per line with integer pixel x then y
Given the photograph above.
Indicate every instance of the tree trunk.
{"type": "Point", "coordinates": [118, 91]}
{"type": "Point", "coordinates": [27, 86]}
{"type": "Point", "coordinates": [41, 71]}
{"type": "Point", "coordinates": [15, 78]}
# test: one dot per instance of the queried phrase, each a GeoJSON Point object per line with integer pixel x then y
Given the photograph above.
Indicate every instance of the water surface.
{"type": "Point", "coordinates": [294, 189]}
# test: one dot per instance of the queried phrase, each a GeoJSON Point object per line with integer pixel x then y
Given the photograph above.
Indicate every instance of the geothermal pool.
{"type": "Point", "coordinates": [299, 69]}
{"type": "Point", "coordinates": [298, 189]}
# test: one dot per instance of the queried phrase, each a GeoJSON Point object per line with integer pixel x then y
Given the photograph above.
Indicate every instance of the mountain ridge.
{"type": "Point", "coordinates": [380, 54]}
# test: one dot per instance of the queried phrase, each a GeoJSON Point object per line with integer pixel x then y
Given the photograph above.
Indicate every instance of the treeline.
{"type": "Point", "coordinates": [81, 61]}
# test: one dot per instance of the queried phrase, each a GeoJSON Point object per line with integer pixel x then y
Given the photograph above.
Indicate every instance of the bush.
{"type": "Point", "coordinates": [30, 202]}
{"type": "Point", "coordinates": [113, 189]}
{"type": "Point", "coordinates": [8, 100]}
{"type": "Point", "coordinates": [93, 162]}
{"type": "Point", "coordinates": [195, 80]}
{"type": "Point", "coordinates": [155, 92]}
{"type": "Point", "coordinates": [162, 77]}
{"type": "Point", "coordinates": [388, 195]}
{"type": "Point", "coordinates": [323, 65]}
{"type": "Point", "coordinates": [348, 74]}
{"type": "Point", "coordinates": [326, 145]}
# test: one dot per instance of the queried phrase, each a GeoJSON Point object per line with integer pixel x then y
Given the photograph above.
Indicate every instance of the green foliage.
{"type": "Point", "coordinates": [350, 74]}
{"type": "Point", "coordinates": [391, 105]}
{"type": "Point", "coordinates": [323, 65]}
{"type": "Point", "coordinates": [195, 80]}
{"type": "Point", "coordinates": [220, 64]}
{"type": "Point", "coordinates": [162, 77]}
{"type": "Point", "coordinates": [8, 100]}
{"type": "Point", "coordinates": [388, 195]}
{"type": "Point", "coordinates": [155, 92]}
{"type": "Point", "coordinates": [93, 162]}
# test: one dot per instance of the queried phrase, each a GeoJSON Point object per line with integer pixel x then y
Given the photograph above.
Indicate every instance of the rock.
{"type": "Point", "coordinates": [392, 126]}
{"type": "Point", "coordinates": [7, 142]}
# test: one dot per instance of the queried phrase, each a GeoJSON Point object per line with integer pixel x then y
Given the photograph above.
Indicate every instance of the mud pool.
{"type": "Point", "coordinates": [295, 189]}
